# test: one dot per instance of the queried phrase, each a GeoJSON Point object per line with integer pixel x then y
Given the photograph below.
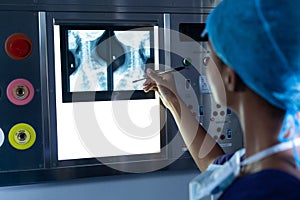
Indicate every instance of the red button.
{"type": "Point", "coordinates": [20, 48]}
{"type": "Point", "coordinates": [222, 137]}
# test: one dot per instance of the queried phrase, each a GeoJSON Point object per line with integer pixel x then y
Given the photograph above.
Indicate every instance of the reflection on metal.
{"type": "Point", "coordinates": [167, 39]}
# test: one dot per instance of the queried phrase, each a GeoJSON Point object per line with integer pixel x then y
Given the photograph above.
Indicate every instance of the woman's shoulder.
{"type": "Point", "coordinates": [266, 184]}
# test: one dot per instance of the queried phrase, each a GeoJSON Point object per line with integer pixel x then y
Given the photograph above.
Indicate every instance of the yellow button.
{"type": "Point", "coordinates": [22, 136]}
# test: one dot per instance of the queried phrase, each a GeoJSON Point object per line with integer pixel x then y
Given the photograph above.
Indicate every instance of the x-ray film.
{"type": "Point", "coordinates": [101, 63]}
{"type": "Point", "coordinates": [108, 60]}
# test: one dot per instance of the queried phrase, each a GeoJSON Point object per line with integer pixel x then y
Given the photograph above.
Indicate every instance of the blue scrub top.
{"type": "Point", "coordinates": [267, 184]}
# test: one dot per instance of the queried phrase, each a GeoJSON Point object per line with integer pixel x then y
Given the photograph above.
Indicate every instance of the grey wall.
{"type": "Point", "coordinates": [152, 186]}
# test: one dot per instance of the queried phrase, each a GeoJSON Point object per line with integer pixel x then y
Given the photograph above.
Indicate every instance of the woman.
{"type": "Point", "coordinates": [255, 49]}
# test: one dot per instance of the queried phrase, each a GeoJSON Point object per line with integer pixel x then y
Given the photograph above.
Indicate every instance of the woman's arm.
{"type": "Point", "coordinates": [203, 148]}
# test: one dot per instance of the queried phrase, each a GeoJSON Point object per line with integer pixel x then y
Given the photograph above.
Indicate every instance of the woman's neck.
{"type": "Point", "coordinates": [261, 123]}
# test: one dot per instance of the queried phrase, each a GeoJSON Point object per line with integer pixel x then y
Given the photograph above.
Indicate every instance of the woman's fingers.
{"type": "Point", "coordinates": [155, 81]}
{"type": "Point", "coordinates": [149, 84]}
{"type": "Point", "coordinates": [154, 76]}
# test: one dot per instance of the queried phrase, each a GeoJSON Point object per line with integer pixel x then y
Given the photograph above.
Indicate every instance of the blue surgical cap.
{"type": "Point", "coordinates": [260, 40]}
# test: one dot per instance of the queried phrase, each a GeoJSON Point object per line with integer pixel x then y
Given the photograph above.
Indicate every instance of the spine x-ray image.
{"type": "Point", "coordinates": [108, 60]}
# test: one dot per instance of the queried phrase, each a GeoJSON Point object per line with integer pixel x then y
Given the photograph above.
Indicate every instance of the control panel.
{"type": "Point", "coordinates": [22, 135]}
{"type": "Point", "coordinates": [191, 49]}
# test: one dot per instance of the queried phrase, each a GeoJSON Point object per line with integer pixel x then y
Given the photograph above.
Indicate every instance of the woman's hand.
{"type": "Point", "coordinates": [164, 86]}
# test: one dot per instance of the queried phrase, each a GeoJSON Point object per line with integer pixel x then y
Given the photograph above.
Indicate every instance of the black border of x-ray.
{"type": "Point", "coordinates": [90, 96]}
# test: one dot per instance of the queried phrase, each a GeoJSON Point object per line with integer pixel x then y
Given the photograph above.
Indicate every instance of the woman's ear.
{"type": "Point", "coordinates": [232, 81]}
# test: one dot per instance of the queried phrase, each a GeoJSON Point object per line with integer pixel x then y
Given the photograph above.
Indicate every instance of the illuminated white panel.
{"type": "Point", "coordinates": [104, 128]}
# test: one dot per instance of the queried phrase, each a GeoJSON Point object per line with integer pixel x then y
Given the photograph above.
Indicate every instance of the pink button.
{"type": "Point", "coordinates": [20, 92]}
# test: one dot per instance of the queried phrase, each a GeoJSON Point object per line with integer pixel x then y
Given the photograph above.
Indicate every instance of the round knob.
{"type": "Point", "coordinates": [187, 61]}
{"type": "Point", "coordinates": [2, 136]}
{"type": "Point", "coordinates": [206, 60]}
